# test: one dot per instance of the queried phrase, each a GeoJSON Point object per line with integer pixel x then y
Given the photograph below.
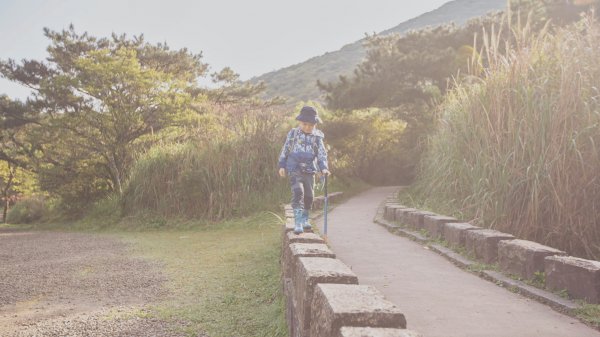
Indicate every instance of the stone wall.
{"type": "Point", "coordinates": [323, 296]}
{"type": "Point", "coordinates": [528, 260]}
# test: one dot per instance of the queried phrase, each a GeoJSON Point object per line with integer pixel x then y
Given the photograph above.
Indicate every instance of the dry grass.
{"type": "Point", "coordinates": [518, 149]}
{"type": "Point", "coordinates": [231, 172]}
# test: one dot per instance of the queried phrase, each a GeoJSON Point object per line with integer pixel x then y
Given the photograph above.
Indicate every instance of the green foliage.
{"type": "Point", "coordinates": [96, 99]}
{"type": "Point", "coordinates": [539, 280]}
{"type": "Point", "coordinates": [16, 177]}
{"type": "Point", "coordinates": [233, 91]}
{"type": "Point", "coordinates": [104, 213]}
{"type": "Point", "coordinates": [15, 118]}
{"type": "Point", "coordinates": [405, 76]}
{"type": "Point", "coordinates": [27, 210]}
{"type": "Point", "coordinates": [22, 181]}
{"type": "Point", "coordinates": [14, 183]}
{"type": "Point", "coordinates": [589, 313]}
{"type": "Point", "coordinates": [99, 101]}
{"type": "Point", "coordinates": [400, 70]}
{"type": "Point", "coordinates": [517, 151]}
{"type": "Point", "coordinates": [232, 174]}
{"type": "Point", "coordinates": [364, 144]}
{"type": "Point", "coordinates": [225, 280]}
{"type": "Point", "coordinates": [78, 181]}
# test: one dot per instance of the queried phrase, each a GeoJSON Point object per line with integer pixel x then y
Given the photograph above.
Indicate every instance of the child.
{"type": "Point", "coordinates": [302, 147]}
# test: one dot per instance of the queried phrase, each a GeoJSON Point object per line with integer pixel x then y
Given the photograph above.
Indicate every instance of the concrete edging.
{"type": "Point", "coordinates": [556, 302]}
{"type": "Point", "coordinates": [322, 295]}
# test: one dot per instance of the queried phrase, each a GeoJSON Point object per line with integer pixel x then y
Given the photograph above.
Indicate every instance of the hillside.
{"type": "Point", "coordinates": [299, 81]}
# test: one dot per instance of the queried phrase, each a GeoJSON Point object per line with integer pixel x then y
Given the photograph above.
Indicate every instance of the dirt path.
{"type": "Point", "coordinates": [75, 284]}
{"type": "Point", "coordinates": [437, 298]}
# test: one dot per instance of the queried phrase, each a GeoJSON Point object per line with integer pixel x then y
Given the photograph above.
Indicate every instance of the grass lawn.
{"type": "Point", "coordinates": [225, 279]}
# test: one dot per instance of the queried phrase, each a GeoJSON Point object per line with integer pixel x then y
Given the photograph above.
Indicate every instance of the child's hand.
{"type": "Point", "coordinates": [326, 173]}
{"type": "Point", "coordinates": [282, 172]}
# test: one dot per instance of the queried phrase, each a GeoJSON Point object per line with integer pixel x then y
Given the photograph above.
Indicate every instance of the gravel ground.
{"type": "Point", "coordinates": [72, 284]}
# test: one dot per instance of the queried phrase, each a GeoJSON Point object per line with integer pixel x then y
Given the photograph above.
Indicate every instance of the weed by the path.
{"type": "Point", "coordinates": [479, 267]}
{"type": "Point", "coordinates": [590, 313]}
{"type": "Point", "coordinates": [563, 293]}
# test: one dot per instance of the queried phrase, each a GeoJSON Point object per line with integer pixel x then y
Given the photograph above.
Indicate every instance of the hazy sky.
{"type": "Point", "coordinates": [252, 37]}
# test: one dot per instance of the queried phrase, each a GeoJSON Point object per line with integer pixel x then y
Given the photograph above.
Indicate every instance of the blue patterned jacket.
{"type": "Point", "coordinates": [304, 149]}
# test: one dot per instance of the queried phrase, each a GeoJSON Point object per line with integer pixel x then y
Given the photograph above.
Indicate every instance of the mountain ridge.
{"type": "Point", "coordinates": [298, 81]}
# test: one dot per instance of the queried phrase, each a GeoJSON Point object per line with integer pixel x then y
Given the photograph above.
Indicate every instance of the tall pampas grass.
{"type": "Point", "coordinates": [517, 149]}
{"type": "Point", "coordinates": [227, 174]}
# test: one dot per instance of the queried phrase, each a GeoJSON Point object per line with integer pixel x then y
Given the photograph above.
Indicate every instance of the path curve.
{"type": "Point", "coordinates": [437, 298]}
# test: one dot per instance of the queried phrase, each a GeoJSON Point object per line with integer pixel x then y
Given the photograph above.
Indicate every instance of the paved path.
{"type": "Point", "coordinates": [437, 298]}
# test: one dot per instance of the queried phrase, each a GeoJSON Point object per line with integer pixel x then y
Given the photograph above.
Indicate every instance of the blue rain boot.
{"type": "Point", "coordinates": [305, 221]}
{"type": "Point", "coordinates": [298, 221]}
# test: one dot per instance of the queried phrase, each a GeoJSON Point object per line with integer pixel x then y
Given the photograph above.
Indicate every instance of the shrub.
{"type": "Point", "coordinates": [367, 144]}
{"type": "Point", "coordinates": [27, 210]}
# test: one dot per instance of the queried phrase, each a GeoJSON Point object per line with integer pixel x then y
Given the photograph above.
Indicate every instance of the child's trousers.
{"type": "Point", "coordinates": [302, 190]}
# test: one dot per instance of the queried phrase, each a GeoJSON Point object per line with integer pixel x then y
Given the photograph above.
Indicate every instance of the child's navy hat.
{"type": "Point", "coordinates": [309, 114]}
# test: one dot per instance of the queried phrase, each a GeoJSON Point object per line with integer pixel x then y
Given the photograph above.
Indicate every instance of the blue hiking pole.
{"type": "Point", "coordinates": [325, 211]}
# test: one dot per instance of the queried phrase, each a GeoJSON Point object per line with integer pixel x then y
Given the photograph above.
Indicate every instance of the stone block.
{"type": "Point", "coordinates": [318, 202]}
{"type": "Point", "coordinates": [375, 332]}
{"type": "Point", "coordinates": [433, 224]}
{"type": "Point", "coordinates": [483, 243]}
{"type": "Point", "coordinates": [289, 226]}
{"type": "Point", "coordinates": [580, 277]}
{"type": "Point", "coordinates": [524, 258]}
{"type": "Point", "coordinates": [335, 195]}
{"type": "Point", "coordinates": [337, 305]}
{"type": "Point", "coordinates": [402, 215]}
{"type": "Point", "coordinates": [311, 271]}
{"type": "Point", "coordinates": [291, 238]}
{"type": "Point", "coordinates": [306, 237]}
{"type": "Point", "coordinates": [390, 211]}
{"type": "Point", "coordinates": [416, 219]}
{"type": "Point", "coordinates": [455, 233]}
{"type": "Point", "coordinates": [298, 250]}
{"type": "Point", "coordinates": [290, 315]}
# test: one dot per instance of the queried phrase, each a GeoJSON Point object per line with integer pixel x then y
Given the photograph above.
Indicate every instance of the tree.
{"type": "Point", "coordinates": [15, 162]}
{"type": "Point", "coordinates": [97, 98]}
{"type": "Point", "coordinates": [14, 183]}
{"type": "Point", "coordinates": [232, 91]}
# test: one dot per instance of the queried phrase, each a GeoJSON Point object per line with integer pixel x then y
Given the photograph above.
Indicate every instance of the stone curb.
{"type": "Point", "coordinates": [397, 229]}
{"type": "Point", "coordinates": [554, 301]}
{"type": "Point", "coordinates": [453, 256]}
{"type": "Point", "coordinates": [314, 280]}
